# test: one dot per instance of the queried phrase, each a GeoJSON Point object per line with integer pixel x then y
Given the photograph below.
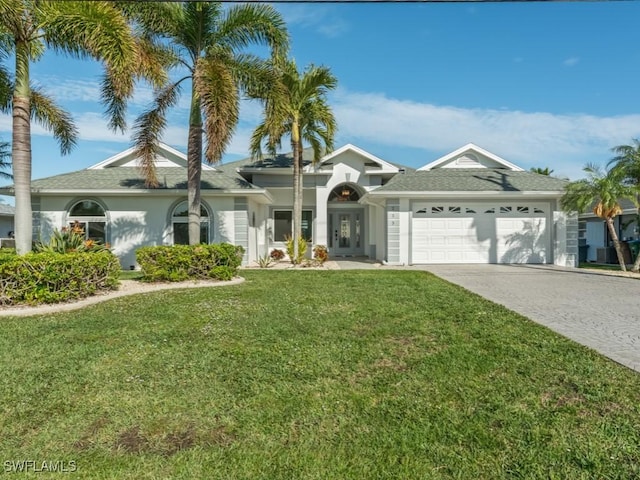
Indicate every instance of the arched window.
{"type": "Point", "coordinates": [344, 193]}
{"type": "Point", "coordinates": [92, 218]}
{"type": "Point", "coordinates": [180, 224]}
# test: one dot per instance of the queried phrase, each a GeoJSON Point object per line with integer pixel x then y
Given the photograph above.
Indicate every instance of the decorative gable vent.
{"type": "Point", "coordinates": [469, 161]}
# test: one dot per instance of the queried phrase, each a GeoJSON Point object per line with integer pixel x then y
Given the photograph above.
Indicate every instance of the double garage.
{"type": "Point", "coordinates": [490, 232]}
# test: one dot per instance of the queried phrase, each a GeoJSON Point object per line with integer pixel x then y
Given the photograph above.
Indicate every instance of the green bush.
{"type": "Point", "coordinates": [70, 239]}
{"type": "Point", "coordinates": [320, 254]}
{"type": "Point", "coordinates": [177, 263]}
{"type": "Point", "coordinates": [54, 277]}
{"type": "Point", "coordinates": [302, 249]}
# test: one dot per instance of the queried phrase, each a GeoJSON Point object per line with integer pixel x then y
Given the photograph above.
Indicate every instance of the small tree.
{"type": "Point", "coordinates": [602, 192]}
{"type": "Point", "coordinates": [627, 162]}
{"type": "Point", "coordinates": [297, 107]}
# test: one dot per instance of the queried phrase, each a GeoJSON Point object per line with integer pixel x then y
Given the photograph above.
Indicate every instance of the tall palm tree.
{"type": "Point", "coordinates": [627, 160]}
{"type": "Point", "coordinates": [297, 107]}
{"type": "Point", "coordinates": [601, 191]}
{"type": "Point", "coordinates": [94, 30]}
{"type": "Point", "coordinates": [208, 42]}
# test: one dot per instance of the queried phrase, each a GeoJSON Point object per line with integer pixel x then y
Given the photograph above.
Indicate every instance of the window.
{"type": "Point", "coordinates": [180, 224]}
{"type": "Point", "coordinates": [490, 210]}
{"type": "Point", "coordinates": [522, 209]}
{"type": "Point", "coordinates": [469, 210]}
{"type": "Point", "coordinates": [91, 217]}
{"type": "Point", "coordinates": [437, 209]}
{"type": "Point", "coordinates": [506, 209]}
{"type": "Point", "coordinates": [344, 193]}
{"type": "Point", "coordinates": [283, 225]}
{"type": "Point", "coordinates": [454, 209]}
{"type": "Point", "coordinates": [582, 229]}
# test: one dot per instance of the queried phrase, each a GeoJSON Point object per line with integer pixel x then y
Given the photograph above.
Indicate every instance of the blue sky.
{"type": "Point", "coordinates": [545, 84]}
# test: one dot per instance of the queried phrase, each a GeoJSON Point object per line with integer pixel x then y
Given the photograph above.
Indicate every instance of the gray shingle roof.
{"type": "Point", "coordinates": [283, 160]}
{"type": "Point", "coordinates": [129, 178]}
{"type": "Point", "coordinates": [472, 180]}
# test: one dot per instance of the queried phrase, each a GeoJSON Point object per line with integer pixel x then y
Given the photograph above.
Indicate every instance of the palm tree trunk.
{"type": "Point", "coordinates": [297, 190]}
{"type": "Point", "coordinates": [21, 152]}
{"type": "Point", "coordinates": [616, 243]}
{"type": "Point", "coordinates": [194, 169]}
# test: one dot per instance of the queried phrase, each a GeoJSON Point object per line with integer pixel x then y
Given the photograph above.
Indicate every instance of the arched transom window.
{"type": "Point", "coordinates": [180, 224]}
{"type": "Point", "coordinates": [91, 217]}
{"type": "Point", "coordinates": [344, 193]}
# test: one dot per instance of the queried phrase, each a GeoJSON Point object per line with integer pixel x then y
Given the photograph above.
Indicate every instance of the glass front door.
{"type": "Point", "coordinates": [345, 233]}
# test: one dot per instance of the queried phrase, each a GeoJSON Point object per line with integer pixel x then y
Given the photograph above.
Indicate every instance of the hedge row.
{"type": "Point", "coordinates": [189, 262]}
{"type": "Point", "coordinates": [53, 277]}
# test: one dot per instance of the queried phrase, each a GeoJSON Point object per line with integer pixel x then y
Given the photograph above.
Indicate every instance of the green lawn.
{"type": "Point", "coordinates": [313, 375]}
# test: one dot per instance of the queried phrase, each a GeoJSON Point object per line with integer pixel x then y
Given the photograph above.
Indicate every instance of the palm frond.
{"type": "Point", "coordinates": [220, 100]}
{"type": "Point", "coordinates": [251, 24]}
{"type": "Point", "coordinates": [601, 192]}
{"type": "Point", "coordinates": [148, 129]}
{"type": "Point", "coordinates": [55, 119]}
{"type": "Point", "coordinates": [100, 31]}
{"type": "Point", "coordinates": [5, 160]}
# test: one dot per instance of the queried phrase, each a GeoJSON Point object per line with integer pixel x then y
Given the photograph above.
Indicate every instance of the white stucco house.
{"type": "Point", "coordinates": [470, 206]}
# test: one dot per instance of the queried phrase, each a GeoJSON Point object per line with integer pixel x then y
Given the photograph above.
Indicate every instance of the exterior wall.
{"type": "Point", "coordinates": [393, 231]}
{"type": "Point", "coordinates": [134, 222]}
{"type": "Point", "coordinates": [241, 225]}
{"type": "Point", "coordinates": [565, 239]}
{"type": "Point", "coordinates": [348, 168]}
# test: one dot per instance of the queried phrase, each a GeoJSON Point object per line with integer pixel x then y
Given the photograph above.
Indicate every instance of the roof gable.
{"type": "Point", "coordinates": [471, 156]}
{"type": "Point", "coordinates": [382, 165]}
{"type": "Point", "coordinates": [166, 156]}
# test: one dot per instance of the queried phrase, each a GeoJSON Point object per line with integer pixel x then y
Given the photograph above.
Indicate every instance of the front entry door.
{"type": "Point", "coordinates": [346, 233]}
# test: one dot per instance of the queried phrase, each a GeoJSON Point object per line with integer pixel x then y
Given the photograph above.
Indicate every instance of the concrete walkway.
{"type": "Point", "coordinates": [596, 309]}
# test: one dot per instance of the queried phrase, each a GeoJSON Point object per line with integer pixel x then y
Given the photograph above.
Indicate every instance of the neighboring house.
{"type": "Point", "coordinates": [593, 232]}
{"type": "Point", "coordinates": [7, 213]}
{"type": "Point", "coordinates": [469, 206]}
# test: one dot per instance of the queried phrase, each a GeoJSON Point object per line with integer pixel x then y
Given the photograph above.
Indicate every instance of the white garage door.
{"type": "Point", "coordinates": [480, 233]}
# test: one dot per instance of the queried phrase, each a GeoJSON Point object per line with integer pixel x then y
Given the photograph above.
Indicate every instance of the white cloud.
{"type": "Point", "coordinates": [571, 62]}
{"type": "Point", "coordinates": [563, 142]}
{"type": "Point", "coordinates": [322, 18]}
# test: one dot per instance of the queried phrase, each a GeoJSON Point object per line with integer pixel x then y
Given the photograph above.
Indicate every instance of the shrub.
{"type": "Point", "coordinates": [265, 261]}
{"type": "Point", "coordinates": [177, 263]}
{"type": "Point", "coordinates": [302, 249]}
{"type": "Point", "coordinates": [320, 254]}
{"type": "Point", "coordinates": [277, 254]}
{"type": "Point", "coordinates": [53, 277]}
{"type": "Point", "coordinates": [70, 239]}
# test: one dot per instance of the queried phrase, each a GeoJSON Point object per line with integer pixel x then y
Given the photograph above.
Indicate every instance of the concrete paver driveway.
{"type": "Point", "coordinates": [597, 310]}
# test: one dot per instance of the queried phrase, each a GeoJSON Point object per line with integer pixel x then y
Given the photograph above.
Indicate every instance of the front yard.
{"type": "Point", "coordinates": [312, 375]}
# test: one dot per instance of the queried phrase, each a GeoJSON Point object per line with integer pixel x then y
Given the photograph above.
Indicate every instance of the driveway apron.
{"type": "Point", "coordinates": [597, 310]}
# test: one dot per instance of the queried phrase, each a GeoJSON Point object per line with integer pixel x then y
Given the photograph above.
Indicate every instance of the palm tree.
{"type": "Point", "coordinates": [627, 160]}
{"type": "Point", "coordinates": [207, 41]}
{"type": "Point", "coordinates": [541, 171]}
{"type": "Point", "coordinates": [601, 191]}
{"type": "Point", "coordinates": [297, 107]}
{"type": "Point", "coordinates": [94, 30]}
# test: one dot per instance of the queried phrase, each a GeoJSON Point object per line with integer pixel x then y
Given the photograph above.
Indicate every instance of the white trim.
{"type": "Point", "coordinates": [128, 154]}
{"type": "Point", "coordinates": [386, 166]}
{"type": "Point", "coordinates": [473, 148]}
{"type": "Point", "coordinates": [482, 194]}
